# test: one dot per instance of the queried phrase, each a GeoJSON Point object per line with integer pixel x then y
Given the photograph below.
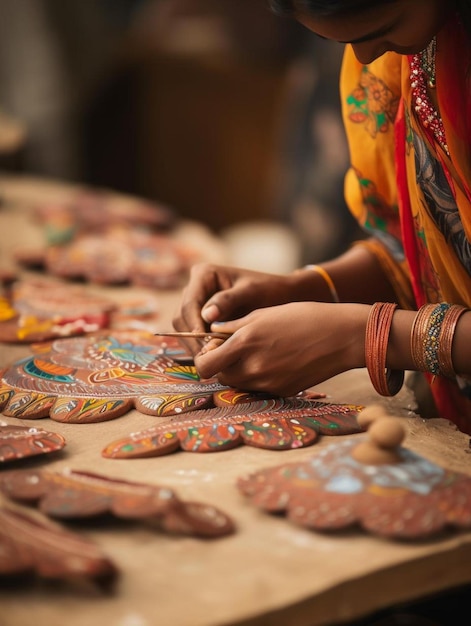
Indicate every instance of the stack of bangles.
{"type": "Point", "coordinates": [431, 342]}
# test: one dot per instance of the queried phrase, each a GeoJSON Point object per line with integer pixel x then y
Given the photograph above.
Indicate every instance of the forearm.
{"type": "Point", "coordinates": [399, 353]}
{"type": "Point", "coordinates": [356, 274]}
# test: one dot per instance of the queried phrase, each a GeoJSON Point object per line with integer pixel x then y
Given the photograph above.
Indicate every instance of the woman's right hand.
{"type": "Point", "coordinates": [217, 293]}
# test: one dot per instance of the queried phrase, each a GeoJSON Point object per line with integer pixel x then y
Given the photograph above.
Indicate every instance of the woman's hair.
{"type": "Point", "coordinates": [321, 7]}
{"type": "Point", "coordinates": [326, 8]}
{"type": "Point", "coordinates": [463, 8]}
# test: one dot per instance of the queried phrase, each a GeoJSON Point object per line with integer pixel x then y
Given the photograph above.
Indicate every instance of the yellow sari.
{"type": "Point", "coordinates": [407, 192]}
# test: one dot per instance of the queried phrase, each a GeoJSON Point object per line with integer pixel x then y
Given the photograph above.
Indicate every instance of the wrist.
{"type": "Point", "coordinates": [317, 276]}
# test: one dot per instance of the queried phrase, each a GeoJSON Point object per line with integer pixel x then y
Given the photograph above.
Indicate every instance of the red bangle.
{"type": "Point", "coordinates": [387, 382]}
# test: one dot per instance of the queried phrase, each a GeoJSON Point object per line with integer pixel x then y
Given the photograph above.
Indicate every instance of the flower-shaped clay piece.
{"type": "Point", "coordinates": [32, 543]}
{"type": "Point", "coordinates": [18, 442]}
{"type": "Point", "coordinates": [99, 377]}
{"type": "Point", "coordinates": [77, 495]}
{"type": "Point", "coordinates": [371, 481]}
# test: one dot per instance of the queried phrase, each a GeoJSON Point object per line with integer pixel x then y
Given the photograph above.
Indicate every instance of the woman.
{"type": "Point", "coordinates": [398, 300]}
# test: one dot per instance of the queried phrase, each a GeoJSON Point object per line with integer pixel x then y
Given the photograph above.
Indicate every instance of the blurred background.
{"type": "Point", "coordinates": [223, 111]}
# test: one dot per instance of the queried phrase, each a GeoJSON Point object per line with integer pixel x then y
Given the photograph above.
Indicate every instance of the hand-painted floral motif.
{"type": "Point", "coordinates": [101, 377]}
{"type": "Point", "coordinates": [372, 103]}
{"type": "Point", "coordinates": [42, 310]}
{"type": "Point", "coordinates": [119, 256]}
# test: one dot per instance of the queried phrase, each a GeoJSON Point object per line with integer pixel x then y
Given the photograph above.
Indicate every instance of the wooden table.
{"type": "Point", "coordinates": [269, 572]}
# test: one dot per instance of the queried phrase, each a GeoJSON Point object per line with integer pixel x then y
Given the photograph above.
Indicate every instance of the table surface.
{"type": "Point", "coordinates": [270, 572]}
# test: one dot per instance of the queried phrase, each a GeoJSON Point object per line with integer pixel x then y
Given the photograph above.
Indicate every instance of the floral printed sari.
{"type": "Point", "coordinates": [412, 197]}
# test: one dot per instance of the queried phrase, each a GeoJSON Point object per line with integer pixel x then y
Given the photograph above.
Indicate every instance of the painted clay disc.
{"type": "Point", "coordinates": [97, 377]}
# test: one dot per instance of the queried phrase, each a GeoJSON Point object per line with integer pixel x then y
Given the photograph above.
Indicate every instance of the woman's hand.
{"type": "Point", "coordinates": [286, 349]}
{"type": "Point", "coordinates": [219, 293]}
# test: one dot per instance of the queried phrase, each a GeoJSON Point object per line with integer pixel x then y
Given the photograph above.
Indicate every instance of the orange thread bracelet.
{"type": "Point", "coordinates": [326, 276]}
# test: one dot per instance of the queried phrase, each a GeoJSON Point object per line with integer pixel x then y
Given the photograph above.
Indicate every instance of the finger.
{"type": "Point", "coordinates": [211, 313]}
{"type": "Point", "coordinates": [228, 304]}
{"type": "Point", "coordinates": [209, 344]}
{"type": "Point", "coordinates": [213, 358]}
{"type": "Point", "coordinates": [203, 283]}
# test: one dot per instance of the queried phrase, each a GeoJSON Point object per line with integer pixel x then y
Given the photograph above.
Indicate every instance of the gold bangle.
{"type": "Point", "coordinates": [326, 276]}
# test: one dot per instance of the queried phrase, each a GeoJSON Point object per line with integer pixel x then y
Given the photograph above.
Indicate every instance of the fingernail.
{"type": "Point", "coordinates": [210, 313]}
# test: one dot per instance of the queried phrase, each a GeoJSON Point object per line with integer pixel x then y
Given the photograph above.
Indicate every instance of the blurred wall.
{"type": "Point", "coordinates": [217, 107]}
{"type": "Point", "coordinates": [198, 100]}
{"type": "Point", "coordinates": [52, 56]}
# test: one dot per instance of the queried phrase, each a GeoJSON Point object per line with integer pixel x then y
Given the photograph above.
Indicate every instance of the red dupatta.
{"type": "Point", "coordinates": [435, 258]}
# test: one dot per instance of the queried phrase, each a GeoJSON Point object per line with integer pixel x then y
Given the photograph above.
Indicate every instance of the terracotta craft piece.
{"type": "Point", "coordinates": [77, 495]}
{"type": "Point", "coordinates": [40, 310]}
{"type": "Point", "coordinates": [87, 210]}
{"type": "Point", "coordinates": [110, 239]}
{"type": "Point", "coordinates": [119, 256]}
{"type": "Point", "coordinates": [371, 481]}
{"type": "Point", "coordinates": [19, 442]}
{"type": "Point", "coordinates": [272, 423]}
{"type": "Point", "coordinates": [7, 278]}
{"type": "Point", "coordinates": [30, 543]}
{"type": "Point", "coordinates": [141, 313]}
{"type": "Point", "coordinates": [100, 377]}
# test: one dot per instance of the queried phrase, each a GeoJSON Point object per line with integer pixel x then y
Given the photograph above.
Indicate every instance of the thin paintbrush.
{"type": "Point", "coordinates": [195, 335]}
